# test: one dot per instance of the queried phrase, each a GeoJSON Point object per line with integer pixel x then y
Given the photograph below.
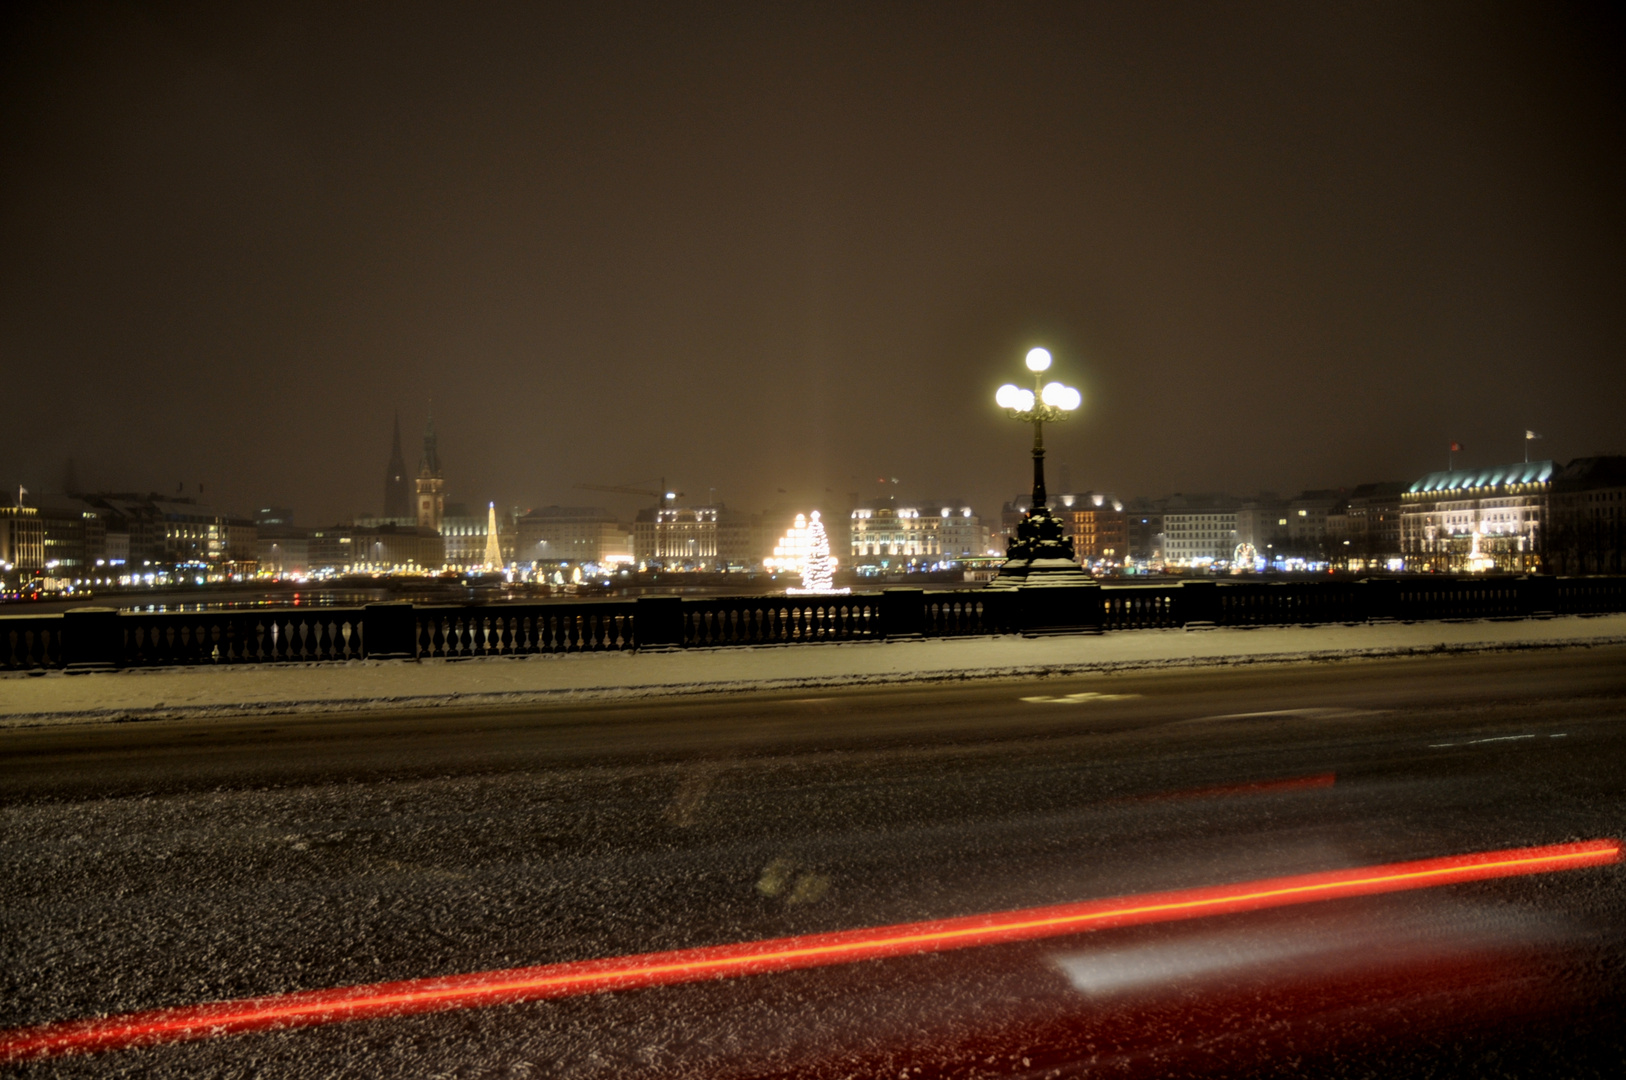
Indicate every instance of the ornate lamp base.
{"type": "Point", "coordinates": [1041, 556]}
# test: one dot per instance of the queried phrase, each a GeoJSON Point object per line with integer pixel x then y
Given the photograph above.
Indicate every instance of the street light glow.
{"type": "Point", "coordinates": [1038, 359]}
{"type": "Point", "coordinates": [1055, 395]}
{"type": "Point", "coordinates": [1008, 396]}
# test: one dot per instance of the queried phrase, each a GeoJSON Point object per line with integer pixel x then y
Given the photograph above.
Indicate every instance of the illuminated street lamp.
{"type": "Point", "coordinates": [1040, 553]}
{"type": "Point", "coordinates": [1052, 401]}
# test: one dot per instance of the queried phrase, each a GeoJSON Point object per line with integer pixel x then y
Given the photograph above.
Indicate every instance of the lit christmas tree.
{"type": "Point", "coordinates": [818, 572]}
{"type": "Point", "coordinates": [806, 547]}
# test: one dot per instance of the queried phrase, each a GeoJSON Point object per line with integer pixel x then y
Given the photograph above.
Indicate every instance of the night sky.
{"type": "Point", "coordinates": [775, 247]}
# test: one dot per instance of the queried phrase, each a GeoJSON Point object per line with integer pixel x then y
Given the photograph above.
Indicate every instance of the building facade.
{"type": "Point", "coordinates": [744, 540]}
{"type": "Point", "coordinates": [1144, 521]}
{"type": "Point", "coordinates": [1198, 537]}
{"type": "Point", "coordinates": [283, 550]}
{"type": "Point", "coordinates": [885, 535]}
{"type": "Point", "coordinates": [397, 549]}
{"type": "Point", "coordinates": [963, 535]}
{"type": "Point", "coordinates": [1587, 534]}
{"type": "Point", "coordinates": [1097, 524]}
{"type": "Point", "coordinates": [1261, 522]}
{"type": "Point", "coordinates": [466, 531]}
{"type": "Point", "coordinates": [1363, 532]}
{"type": "Point", "coordinates": [572, 534]}
{"type": "Point", "coordinates": [1470, 520]}
{"type": "Point", "coordinates": [678, 537]}
{"type": "Point", "coordinates": [75, 537]}
{"type": "Point", "coordinates": [361, 549]}
{"type": "Point", "coordinates": [144, 533]}
{"type": "Point", "coordinates": [22, 540]}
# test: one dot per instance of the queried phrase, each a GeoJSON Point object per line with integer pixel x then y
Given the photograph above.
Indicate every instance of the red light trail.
{"type": "Point", "coordinates": [340, 1004]}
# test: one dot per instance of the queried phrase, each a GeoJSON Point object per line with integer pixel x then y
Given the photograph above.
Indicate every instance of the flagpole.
{"type": "Point", "coordinates": [1528, 435]}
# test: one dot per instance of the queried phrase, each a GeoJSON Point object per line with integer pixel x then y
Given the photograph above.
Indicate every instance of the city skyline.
{"type": "Point", "coordinates": [759, 250]}
{"type": "Point", "coordinates": [72, 478]}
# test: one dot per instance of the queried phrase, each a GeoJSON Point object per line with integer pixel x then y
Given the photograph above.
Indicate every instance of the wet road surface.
{"type": "Point", "coordinates": [171, 863]}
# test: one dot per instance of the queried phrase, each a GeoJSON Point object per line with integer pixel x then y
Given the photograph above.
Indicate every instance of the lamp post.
{"type": "Point", "coordinates": [1040, 553]}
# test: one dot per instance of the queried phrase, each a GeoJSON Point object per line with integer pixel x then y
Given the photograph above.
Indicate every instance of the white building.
{"type": "Point", "coordinates": [932, 531]}
{"type": "Point", "coordinates": [677, 537]}
{"type": "Point", "coordinates": [1198, 537]}
{"type": "Point", "coordinates": [1477, 519]}
{"type": "Point", "coordinates": [896, 534]}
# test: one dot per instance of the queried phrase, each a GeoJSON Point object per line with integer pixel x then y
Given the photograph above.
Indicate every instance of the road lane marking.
{"type": "Point", "coordinates": [1498, 738]}
{"type": "Point", "coordinates": [1285, 714]}
{"type": "Point", "coordinates": [1079, 698]}
{"type": "Point", "coordinates": [575, 978]}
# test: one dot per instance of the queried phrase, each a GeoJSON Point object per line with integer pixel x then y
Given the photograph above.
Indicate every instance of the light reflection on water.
{"type": "Point", "coordinates": [319, 599]}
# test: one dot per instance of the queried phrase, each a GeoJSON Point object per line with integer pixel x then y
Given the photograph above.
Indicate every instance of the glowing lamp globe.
{"type": "Point", "coordinates": [1061, 397]}
{"type": "Point", "coordinates": [1038, 360]}
{"type": "Point", "coordinates": [1008, 396]}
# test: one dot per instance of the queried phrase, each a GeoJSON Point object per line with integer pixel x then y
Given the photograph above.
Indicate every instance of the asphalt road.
{"type": "Point", "coordinates": [169, 863]}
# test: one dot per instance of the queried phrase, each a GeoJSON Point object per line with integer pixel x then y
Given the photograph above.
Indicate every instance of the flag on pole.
{"type": "Point", "coordinates": [1456, 447]}
{"type": "Point", "coordinates": [1528, 435]}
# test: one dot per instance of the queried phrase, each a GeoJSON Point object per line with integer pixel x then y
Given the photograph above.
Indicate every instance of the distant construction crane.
{"type": "Point", "coordinates": [662, 497]}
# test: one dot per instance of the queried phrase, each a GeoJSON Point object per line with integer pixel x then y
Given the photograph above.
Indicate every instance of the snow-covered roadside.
{"type": "Point", "coordinates": [373, 685]}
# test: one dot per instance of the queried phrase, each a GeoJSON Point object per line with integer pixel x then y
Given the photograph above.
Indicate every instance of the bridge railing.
{"type": "Point", "coordinates": [1290, 602]}
{"type": "Point", "coordinates": [298, 635]}
{"type": "Point", "coordinates": [99, 638]}
{"type": "Point", "coordinates": [520, 629]}
{"type": "Point", "coordinates": [30, 642]}
{"type": "Point", "coordinates": [1588, 596]}
{"type": "Point", "coordinates": [776, 620]}
{"type": "Point", "coordinates": [1460, 599]}
{"type": "Point", "coordinates": [1140, 607]}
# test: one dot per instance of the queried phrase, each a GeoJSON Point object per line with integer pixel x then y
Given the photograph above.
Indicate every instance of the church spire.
{"type": "Point", "coordinates": [431, 484]}
{"type": "Point", "coordinates": [430, 465]}
{"type": "Point", "coordinates": [397, 486]}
